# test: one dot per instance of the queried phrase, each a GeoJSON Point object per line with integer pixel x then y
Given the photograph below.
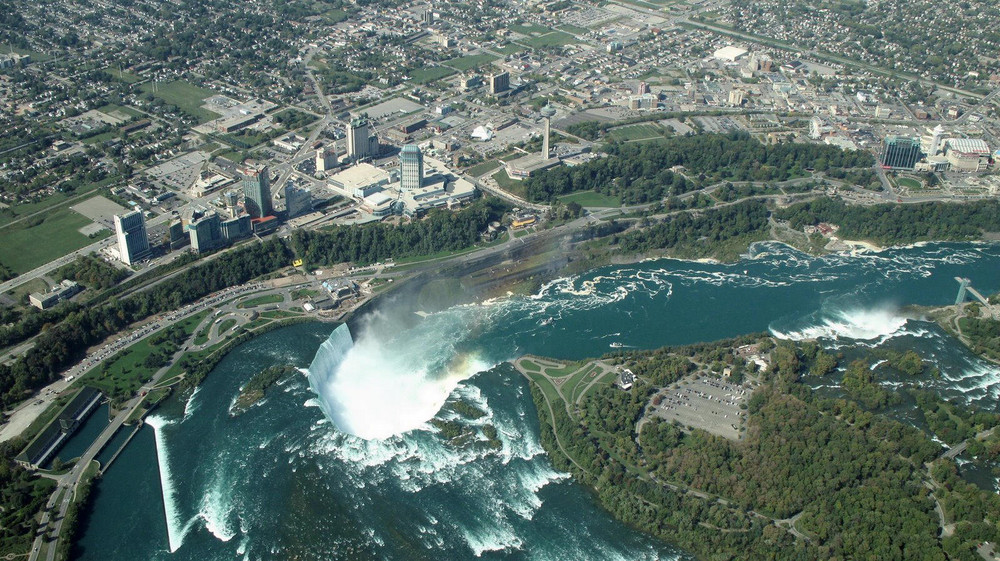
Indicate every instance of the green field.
{"type": "Point", "coordinates": [430, 74]}
{"type": "Point", "coordinates": [554, 39]}
{"type": "Point", "coordinates": [507, 184]}
{"type": "Point", "coordinates": [262, 300]}
{"type": "Point", "coordinates": [530, 366]}
{"type": "Point", "coordinates": [17, 211]}
{"type": "Point", "coordinates": [469, 62]}
{"type": "Point", "coordinates": [909, 183]}
{"type": "Point", "coordinates": [531, 29]}
{"type": "Point", "coordinates": [100, 138]}
{"type": "Point", "coordinates": [483, 168]}
{"type": "Point", "coordinates": [568, 28]}
{"type": "Point", "coordinates": [187, 97]}
{"type": "Point", "coordinates": [111, 109]}
{"type": "Point", "coordinates": [591, 199]}
{"type": "Point", "coordinates": [635, 132]}
{"type": "Point", "coordinates": [49, 236]}
{"type": "Point", "coordinates": [509, 49]}
{"type": "Point", "coordinates": [34, 285]}
{"type": "Point", "coordinates": [124, 373]}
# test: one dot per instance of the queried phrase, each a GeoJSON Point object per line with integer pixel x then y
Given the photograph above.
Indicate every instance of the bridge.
{"type": "Point", "coordinates": [965, 286]}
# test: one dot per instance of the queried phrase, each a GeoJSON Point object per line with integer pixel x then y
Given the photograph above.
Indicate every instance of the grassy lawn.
{"type": "Point", "coordinates": [202, 336]}
{"type": "Point", "coordinates": [565, 370]}
{"type": "Point", "coordinates": [530, 366]}
{"type": "Point", "coordinates": [469, 62]}
{"type": "Point", "coordinates": [509, 49]}
{"type": "Point", "coordinates": [483, 168]}
{"type": "Point", "coordinates": [189, 324]}
{"type": "Point", "coordinates": [279, 314]}
{"type": "Point", "coordinates": [111, 109]}
{"type": "Point", "coordinates": [34, 285]}
{"type": "Point", "coordinates": [125, 371]}
{"type": "Point", "coordinates": [554, 39]}
{"type": "Point", "coordinates": [187, 97]}
{"type": "Point", "coordinates": [49, 237]}
{"type": "Point", "coordinates": [304, 293]}
{"type": "Point", "coordinates": [607, 378]}
{"type": "Point", "coordinates": [259, 322]}
{"type": "Point", "coordinates": [507, 184]}
{"type": "Point", "coordinates": [531, 29]}
{"type": "Point", "coordinates": [226, 325]}
{"type": "Point", "coordinates": [262, 300]}
{"type": "Point", "coordinates": [24, 209]}
{"type": "Point", "coordinates": [430, 74]}
{"type": "Point", "coordinates": [125, 77]}
{"type": "Point", "coordinates": [636, 132]}
{"type": "Point", "coordinates": [100, 138]}
{"type": "Point", "coordinates": [591, 199]}
{"type": "Point", "coordinates": [568, 28]}
{"type": "Point", "coordinates": [581, 378]}
{"type": "Point", "coordinates": [909, 183]}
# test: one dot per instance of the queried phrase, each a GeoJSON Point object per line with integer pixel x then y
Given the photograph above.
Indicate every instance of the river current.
{"type": "Point", "coordinates": [343, 463]}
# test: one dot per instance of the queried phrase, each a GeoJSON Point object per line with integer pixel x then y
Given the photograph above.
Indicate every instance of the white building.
{"type": "Point", "coordinates": [967, 154]}
{"type": "Point", "coordinates": [360, 180]}
{"type": "Point", "coordinates": [133, 244]}
{"type": "Point", "coordinates": [730, 53]}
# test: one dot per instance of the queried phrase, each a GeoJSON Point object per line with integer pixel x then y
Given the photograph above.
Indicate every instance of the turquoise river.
{"type": "Point", "coordinates": [341, 462]}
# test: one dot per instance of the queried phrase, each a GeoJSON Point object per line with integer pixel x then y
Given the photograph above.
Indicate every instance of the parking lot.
{"type": "Point", "coordinates": [707, 403]}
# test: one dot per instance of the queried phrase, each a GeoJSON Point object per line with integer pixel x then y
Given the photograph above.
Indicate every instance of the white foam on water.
{"type": "Point", "coordinates": [176, 527]}
{"type": "Point", "coordinates": [216, 511]}
{"type": "Point", "coordinates": [190, 407]}
{"type": "Point", "coordinates": [855, 323]}
{"type": "Point", "coordinates": [382, 386]}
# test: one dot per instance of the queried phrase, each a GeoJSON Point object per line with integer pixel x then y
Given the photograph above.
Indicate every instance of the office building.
{"type": "Point", "coordinates": [133, 244]}
{"type": "Point", "coordinates": [735, 97]}
{"type": "Point", "coordinates": [361, 143]}
{"type": "Point", "coordinates": [257, 191]}
{"type": "Point", "coordinates": [298, 200]}
{"type": "Point", "coordinates": [326, 159]}
{"type": "Point", "coordinates": [235, 228]}
{"type": "Point", "coordinates": [62, 291]}
{"type": "Point", "coordinates": [899, 152]}
{"type": "Point", "coordinates": [411, 168]}
{"type": "Point", "coordinates": [205, 230]}
{"type": "Point", "coordinates": [499, 83]}
{"type": "Point", "coordinates": [178, 237]}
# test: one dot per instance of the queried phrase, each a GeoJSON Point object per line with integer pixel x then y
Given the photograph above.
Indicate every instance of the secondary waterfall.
{"type": "Point", "coordinates": [387, 384]}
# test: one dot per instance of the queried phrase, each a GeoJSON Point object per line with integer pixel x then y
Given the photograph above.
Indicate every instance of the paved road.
{"type": "Point", "coordinates": [954, 451]}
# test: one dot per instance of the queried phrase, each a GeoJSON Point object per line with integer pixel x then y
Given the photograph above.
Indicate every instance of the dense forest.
{"type": "Point", "coordinates": [22, 494]}
{"type": "Point", "coordinates": [440, 231]}
{"type": "Point", "coordinates": [92, 272]}
{"type": "Point", "coordinates": [747, 220]}
{"type": "Point", "coordinates": [854, 481]}
{"type": "Point", "coordinates": [642, 172]}
{"type": "Point", "coordinates": [889, 224]}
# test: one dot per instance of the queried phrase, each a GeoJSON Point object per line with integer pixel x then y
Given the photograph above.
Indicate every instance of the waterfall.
{"type": "Point", "coordinates": [393, 379]}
